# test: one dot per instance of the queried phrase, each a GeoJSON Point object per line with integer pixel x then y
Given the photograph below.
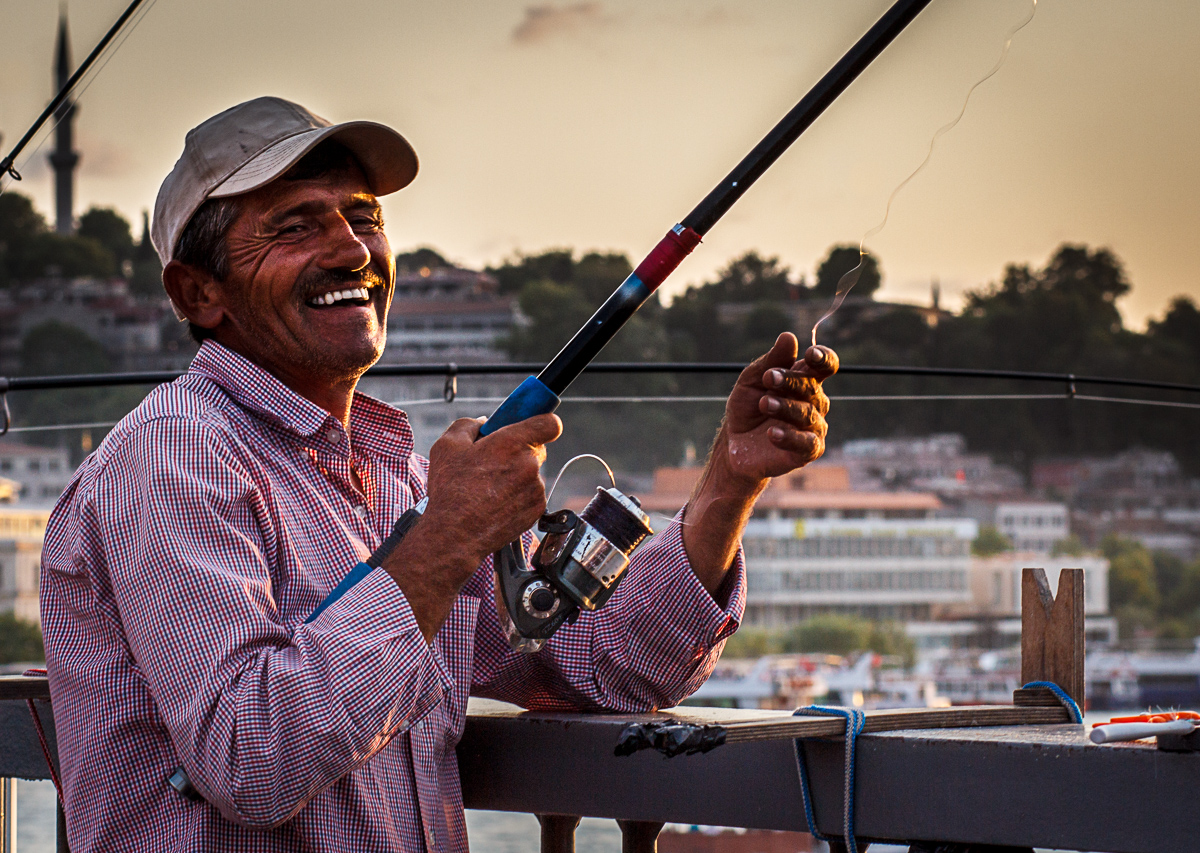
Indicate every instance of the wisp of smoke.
{"type": "Point", "coordinates": [847, 281]}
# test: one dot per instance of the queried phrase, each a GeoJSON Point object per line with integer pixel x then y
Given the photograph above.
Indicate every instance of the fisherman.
{"type": "Point", "coordinates": [184, 560]}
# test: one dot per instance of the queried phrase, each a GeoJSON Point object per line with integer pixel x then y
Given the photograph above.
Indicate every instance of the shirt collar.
{"type": "Point", "coordinates": [375, 426]}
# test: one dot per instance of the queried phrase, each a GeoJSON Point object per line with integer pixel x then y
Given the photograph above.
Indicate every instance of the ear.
{"type": "Point", "coordinates": [195, 293]}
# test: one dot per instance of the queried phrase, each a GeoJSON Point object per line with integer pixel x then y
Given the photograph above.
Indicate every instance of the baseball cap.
{"type": "Point", "coordinates": [250, 145]}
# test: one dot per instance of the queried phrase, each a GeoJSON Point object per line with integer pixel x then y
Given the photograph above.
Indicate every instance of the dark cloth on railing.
{"type": "Point", "coordinates": [179, 568]}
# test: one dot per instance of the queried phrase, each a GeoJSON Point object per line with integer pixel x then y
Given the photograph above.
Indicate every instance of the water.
{"type": "Point", "coordinates": [493, 832]}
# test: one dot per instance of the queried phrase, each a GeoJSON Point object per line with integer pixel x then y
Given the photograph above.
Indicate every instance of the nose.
{"type": "Point", "coordinates": [344, 248]}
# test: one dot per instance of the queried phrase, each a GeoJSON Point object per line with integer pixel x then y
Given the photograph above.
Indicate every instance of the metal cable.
{"type": "Point", "coordinates": [155, 377]}
{"type": "Point", "coordinates": [848, 398]}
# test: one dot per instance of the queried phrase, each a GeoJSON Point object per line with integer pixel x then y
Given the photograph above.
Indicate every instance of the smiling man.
{"type": "Point", "coordinates": [209, 692]}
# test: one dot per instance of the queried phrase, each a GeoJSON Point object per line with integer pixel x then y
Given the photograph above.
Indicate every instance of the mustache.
{"type": "Point", "coordinates": [319, 282]}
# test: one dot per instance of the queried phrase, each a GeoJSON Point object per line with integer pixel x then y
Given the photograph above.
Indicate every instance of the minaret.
{"type": "Point", "coordinates": [64, 158]}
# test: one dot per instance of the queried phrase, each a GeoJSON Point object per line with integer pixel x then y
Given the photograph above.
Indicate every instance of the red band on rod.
{"type": "Point", "coordinates": [662, 260]}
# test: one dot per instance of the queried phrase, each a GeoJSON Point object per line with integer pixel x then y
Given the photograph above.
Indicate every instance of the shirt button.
{"type": "Point", "coordinates": [360, 511]}
{"type": "Point", "coordinates": [333, 436]}
{"type": "Point", "coordinates": [429, 839]}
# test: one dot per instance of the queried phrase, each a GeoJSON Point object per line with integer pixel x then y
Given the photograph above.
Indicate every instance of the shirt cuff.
{"type": "Point", "coordinates": [666, 575]}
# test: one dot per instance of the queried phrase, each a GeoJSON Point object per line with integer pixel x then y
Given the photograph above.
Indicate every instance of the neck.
{"type": "Point", "coordinates": [333, 393]}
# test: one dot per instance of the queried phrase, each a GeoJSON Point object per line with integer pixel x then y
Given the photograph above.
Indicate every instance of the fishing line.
{"type": "Point", "coordinates": [847, 281]}
{"type": "Point", "coordinates": [573, 460]}
{"type": "Point", "coordinates": [12, 173]}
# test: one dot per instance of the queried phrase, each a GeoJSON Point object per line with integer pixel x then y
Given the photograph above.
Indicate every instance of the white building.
{"type": "Point", "coordinates": [43, 472]}
{"type": "Point", "coordinates": [814, 545]}
{"type": "Point", "coordinates": [993, 619]}
{"type": "Point", "coordinates": [21, 535]}
{"type": "Point", "coordinates": [897, 569]}
{"type": "Point", "coordinates": [1033, 527]}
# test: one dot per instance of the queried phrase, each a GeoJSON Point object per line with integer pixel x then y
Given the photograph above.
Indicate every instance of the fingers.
{"type": "Point", "coordinates": [800, 415]}
{"type": "Point", "coordinates": [807, 445]}
{"type": "Point", "coordinates": [533, 432]}
{"type": "Point", "coordinates": [819, 362]}
{"type": "Point", "coordinates": [463, 431]}
{"type": "Point", "coordinates": [795, 385]}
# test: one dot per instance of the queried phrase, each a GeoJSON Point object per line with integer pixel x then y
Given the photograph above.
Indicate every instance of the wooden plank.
{"type": "Point", "coordinates": [1052, 631]}
{"type": "Point", "coordinates": [898, 720]}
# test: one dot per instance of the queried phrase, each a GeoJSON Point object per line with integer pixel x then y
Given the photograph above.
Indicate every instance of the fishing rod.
{"type": "Point", "coordinates": [583, 557]}
{"type": "Point", "coordinates": [540, 394]}
{"type": "Point", "coordinates": [7, 164]}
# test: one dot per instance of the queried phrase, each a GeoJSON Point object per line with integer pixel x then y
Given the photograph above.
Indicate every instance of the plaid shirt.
{"type": "Point", "coordinates": [179, 567]}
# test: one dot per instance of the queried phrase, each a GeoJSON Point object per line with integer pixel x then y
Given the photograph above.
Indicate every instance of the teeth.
{"type": "Point", "coordinates": [339, 295]}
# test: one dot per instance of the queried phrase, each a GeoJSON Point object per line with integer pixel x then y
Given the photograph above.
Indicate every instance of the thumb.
{"type": "Point", "coordinates": [783, 354]}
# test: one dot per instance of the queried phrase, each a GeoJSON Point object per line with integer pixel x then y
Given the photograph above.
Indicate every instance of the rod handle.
{"type": "Point", "coordinates": [529, 398]}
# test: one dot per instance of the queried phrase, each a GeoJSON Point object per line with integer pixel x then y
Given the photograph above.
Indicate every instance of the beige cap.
{"type": "Point", "coordinates": [252, 144]}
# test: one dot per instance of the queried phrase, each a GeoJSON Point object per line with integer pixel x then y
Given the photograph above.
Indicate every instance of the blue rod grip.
{"type": "Point", "coordinates": [529, 398]}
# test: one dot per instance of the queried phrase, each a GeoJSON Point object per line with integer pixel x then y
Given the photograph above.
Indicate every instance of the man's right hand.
{"type": "Point", "coordinates": [483, 494]}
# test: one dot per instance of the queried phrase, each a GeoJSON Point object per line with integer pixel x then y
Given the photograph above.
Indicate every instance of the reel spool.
{"type": "Point", "coordinates": [577, 565]}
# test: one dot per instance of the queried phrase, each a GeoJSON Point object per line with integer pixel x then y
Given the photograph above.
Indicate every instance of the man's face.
{"type": "Point", "coordinates": [310, 280]}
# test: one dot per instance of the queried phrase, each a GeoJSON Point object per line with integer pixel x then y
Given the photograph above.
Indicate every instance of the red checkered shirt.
{"type": "Point", "coordinates": [179, 567]}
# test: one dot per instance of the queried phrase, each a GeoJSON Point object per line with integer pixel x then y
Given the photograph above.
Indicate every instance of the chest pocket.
{"type": "Point", "coordinates": [456, 643]}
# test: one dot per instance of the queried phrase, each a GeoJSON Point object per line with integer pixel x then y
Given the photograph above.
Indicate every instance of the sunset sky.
{"type": "Point", "coordinates": [598, 125]}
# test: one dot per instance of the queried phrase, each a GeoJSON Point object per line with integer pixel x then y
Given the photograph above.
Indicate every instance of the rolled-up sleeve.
{"type": "Point", "coordinates": [653, 645]}
{"type": "Point", "coordinates": [264, 715]}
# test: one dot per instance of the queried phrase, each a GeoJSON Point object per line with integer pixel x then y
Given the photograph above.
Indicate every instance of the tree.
{"type": "Point", "coordinates": [20, 640]}
{"type": "Point", "coordinates": [833, 633]}
{"type": "Point", "coordinates": [56, 348]}
{"type": "Point", "coordinates": [1072, 546]}
{"type": "Point", "coordinates": [147, 269]}
{"type": "Point", "coordinates": [418, 259]}
{"type": "Point", "coordinates": [1131, 581]}
{"type": "Point", "coordinates": [841, 260]}
{"type": "Point", "coordinates": [20, 223]}
{"type": "Point", "coordinates": [556, 265]}
{"type": "Point", "coordinates": [111, 230]}
{"type": "Point", "coordinates": [990, 542]}
{"type": "Point", "coordinates": [751, 643]}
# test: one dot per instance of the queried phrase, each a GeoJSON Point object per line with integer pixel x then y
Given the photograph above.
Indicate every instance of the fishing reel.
{"type": "Point", "coordinates": [576, 567]}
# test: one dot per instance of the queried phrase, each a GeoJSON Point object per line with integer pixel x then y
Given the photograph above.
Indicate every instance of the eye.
{"type": "Point", "coordinates": [292, 230]}
{"type": "Point", "coordinates": [367, 221]}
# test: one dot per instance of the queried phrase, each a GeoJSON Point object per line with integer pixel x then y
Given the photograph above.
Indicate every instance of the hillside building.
{"type": "Point", "coordinates": [21, 534]}
{"type": "Point", "coordinates": [41, 473]}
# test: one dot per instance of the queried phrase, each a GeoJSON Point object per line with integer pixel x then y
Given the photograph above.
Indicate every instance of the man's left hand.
{"type": "Point", "coordinates": [775, 416]}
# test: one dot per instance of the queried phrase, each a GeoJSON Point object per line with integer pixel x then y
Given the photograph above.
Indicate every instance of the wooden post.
{"type": "Point", "coordinates": [639, 836]}
{"type": "Point", "coordinates": [558, 832]}
{"type": "Point", "coordinates": [1052, 634]}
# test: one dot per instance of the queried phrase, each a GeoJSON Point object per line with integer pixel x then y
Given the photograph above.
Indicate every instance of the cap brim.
{"type": "Point", "coordinates": [387, 159]}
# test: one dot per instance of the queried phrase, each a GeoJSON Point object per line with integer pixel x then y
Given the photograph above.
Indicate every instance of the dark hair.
{"type": "Point", "coordinates": [202, 243]}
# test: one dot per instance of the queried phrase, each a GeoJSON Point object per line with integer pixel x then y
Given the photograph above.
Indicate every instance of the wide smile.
{"type": "Point", "coordinates": [350, 296]}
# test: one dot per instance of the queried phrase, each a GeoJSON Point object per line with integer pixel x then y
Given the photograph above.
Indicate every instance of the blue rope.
{"type": "Point", "coordinates": [1066, 700]}
{"type": "Point", "coordinates": [854, 726]}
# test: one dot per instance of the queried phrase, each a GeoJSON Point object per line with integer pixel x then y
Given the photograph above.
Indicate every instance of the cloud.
{"type": "Point", "coordinates": [103, 158]}
{"type": "Point", "coordinates": [545, 22]}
